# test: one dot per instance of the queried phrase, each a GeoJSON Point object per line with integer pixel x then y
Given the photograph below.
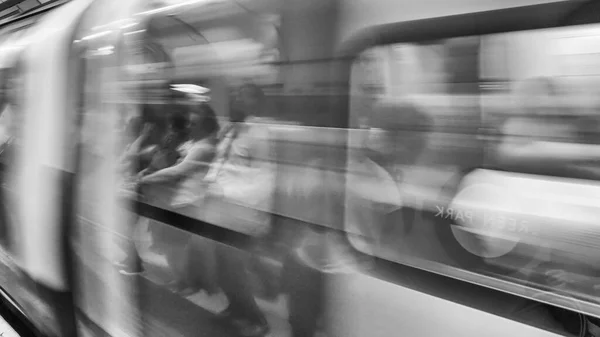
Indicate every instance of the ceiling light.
{"type": "Point", "coordinates": [174, 6]}
{"type": "Point", "coordinates": [97, 35]}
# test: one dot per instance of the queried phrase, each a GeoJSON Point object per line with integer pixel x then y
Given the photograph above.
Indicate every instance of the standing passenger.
{"type": "Point", "coordinates": [242, 180]}
{"type": "Point", "coordinates": [185, 182]}
{"type": "Point", "coordinates": [371, 195]}
{"type": "Point", "coordinates": [136, 158]}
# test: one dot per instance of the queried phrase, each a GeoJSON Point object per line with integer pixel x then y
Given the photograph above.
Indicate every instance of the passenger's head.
{"type": "Point", "coordinates": [178, 121]}
{"type": "Point", "coordinates": [178, 129]}
{"type": "Point", "coordinates": [203, 122]}
{"type": "Point", "coordinates": [536, 96]}
{"type": "Point", "coordinates": [134, 127]}
{"type": "Point", "coordinates": [248, 101]}
{"type": "Point", "coordinates": [153, 116]}
{"type": "Point", "coordinates": [398, 133]}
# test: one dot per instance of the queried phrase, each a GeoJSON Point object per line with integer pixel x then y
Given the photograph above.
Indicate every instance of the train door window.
{"type": "Point", "coordinates": [413, 112]}
{"type": "Point", "coordinates": [201, 83]}
{"type": "Point", "coordinates": [430, 186]}
{"type": "Point", "coordinates": [550, 76]}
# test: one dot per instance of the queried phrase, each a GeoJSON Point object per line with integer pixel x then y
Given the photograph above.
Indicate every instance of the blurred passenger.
{"type": "Point", "coordinates": [547, 138]}
{"type": "Point", "coordinates": [242, 177]}
{"type": "Point", "coordinates": [8, 144]}
{"type": "Point", "coordinates": [129, 160]}
{"type": "Point", "coordinates": [396, 138]}
{"type": "Point", "coordinates": [137, 157]}
{"type": "Point", "coordinates": [166, 154]}
{"type": "Point", "coordinates": [149, 135]}
{"type": "Point", "coordinates": [542, 137]}
{"type": "Point", "coordinates": [372, 194]}
{"type": "Point", "coordinates": [133, 129]}
{"type": "Point", "coordinates": [181, 188]}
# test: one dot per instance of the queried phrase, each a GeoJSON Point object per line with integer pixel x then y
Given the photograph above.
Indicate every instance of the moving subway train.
{"type": "Point", "coordinates": [301, 168]}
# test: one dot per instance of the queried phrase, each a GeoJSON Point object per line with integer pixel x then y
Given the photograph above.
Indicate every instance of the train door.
{"type": "Point", "coordinates": [172, 65]}
{"type": "Point", "coordinates": [44, 170]}
{"type": "Point", "coordinates": [106, 303]}
{"type": "Point", "coordinates": [491, 241]}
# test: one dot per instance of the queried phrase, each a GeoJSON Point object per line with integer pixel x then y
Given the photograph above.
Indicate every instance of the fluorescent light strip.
{"type": "Point", "coordinates": [111, 23]}
{"type": "Point", "coordinates": [170, 7]}
{"type": "Point", "coordinates": [129, 25]}
{"type": "Point", "coordinates": [97, 35]}
{"type": "Point", "coordinates": [135, 32]}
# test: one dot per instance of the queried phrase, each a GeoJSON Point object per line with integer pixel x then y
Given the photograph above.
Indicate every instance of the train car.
{"type": "Point", "coordinates": [371, 197]}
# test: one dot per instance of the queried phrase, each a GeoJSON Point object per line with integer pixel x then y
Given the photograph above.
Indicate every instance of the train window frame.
{"type": "Point", "coordinates": [519, 19]}
{"type": "Point", "coordinates": [144, 32]}
{"type": "Point", "coordinates": [468, 24]}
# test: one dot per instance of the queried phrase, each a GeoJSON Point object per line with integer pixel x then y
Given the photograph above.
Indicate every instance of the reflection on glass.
{"type": "Point", "coordinates": [499, 204]}
{"type": "Point", "coordinates": [12, 121]}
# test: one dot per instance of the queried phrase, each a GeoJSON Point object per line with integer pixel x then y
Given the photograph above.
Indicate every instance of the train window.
{"type": "Point", "coordinates": [414, 110]}
{"type": "Point", "coordinates": [204, 90]}
{"type": "Point", "coordinates": [476, 157]}
{"type": "Point", "coordinates": [191, 78]}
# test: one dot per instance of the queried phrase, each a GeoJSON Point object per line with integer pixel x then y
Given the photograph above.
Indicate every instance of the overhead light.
{"type": "Point", "coordinates": [97, 35]}
{"type": "Point", "coordinates": [174, 6]}
{"type": "Point", "coordinates": [129, 25]}
{"type": "Point", "coordinates": [102, 51]}
{"type": "Point", "coordinates": [187, 90]}
{"type": "Point", "coordinates": [190, 88]}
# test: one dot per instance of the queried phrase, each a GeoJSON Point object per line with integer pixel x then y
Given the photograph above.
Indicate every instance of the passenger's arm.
{"type": "Point", "coordinates": [135, 147]}
{"type": "Point", "coordinates": [125, 165]}
{"type": "Point", "coordinates": [198, 157]}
